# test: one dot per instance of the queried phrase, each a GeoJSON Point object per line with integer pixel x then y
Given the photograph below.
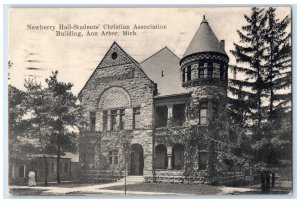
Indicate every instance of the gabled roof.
{"type": "Point", "coordinates": [107, 61]}
{"type": "Point", "coordinates": [204, 40]}
{"type": "Point", "coordinates": [164, 69]}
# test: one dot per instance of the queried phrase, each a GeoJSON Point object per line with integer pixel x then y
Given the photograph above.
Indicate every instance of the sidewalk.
{"type": "Point", "coordinates": [236, 190]}
{"type": "Point", "coordinates": [283, 187]}
{"type": "Point", "coordinates": [95, 189]}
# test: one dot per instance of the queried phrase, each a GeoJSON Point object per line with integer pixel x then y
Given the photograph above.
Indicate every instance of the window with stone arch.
{"type": "Point", "coordinates": [114, 98]}
{"type": "Point", "coordinates": [113, 103]}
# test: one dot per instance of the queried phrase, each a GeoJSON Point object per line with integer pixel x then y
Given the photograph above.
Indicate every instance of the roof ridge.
{"type": "Point", "coordinates": [165, 47]}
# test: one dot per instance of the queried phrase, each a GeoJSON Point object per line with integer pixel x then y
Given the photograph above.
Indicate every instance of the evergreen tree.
{"type": "Point", "coordinates": [249, 93]}
{"type": "Point", "coordinates": [278, 66]}
{"type": "Point", "coordinates": [278, 63]}
{"type": "Point", "coordinates": [260, 100]}
{"type": "Point", "coordinates": [64, 115]}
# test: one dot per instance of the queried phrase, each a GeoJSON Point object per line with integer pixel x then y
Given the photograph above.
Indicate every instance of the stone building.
{"type": "Point", "coordinates": [152, 119]}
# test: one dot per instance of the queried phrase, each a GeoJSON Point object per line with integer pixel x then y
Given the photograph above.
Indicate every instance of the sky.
{"type": "Point", "coordinates": [36, 53]}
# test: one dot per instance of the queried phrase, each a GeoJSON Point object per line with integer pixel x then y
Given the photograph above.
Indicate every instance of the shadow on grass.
{"type": "Point", "coordinates": [170, 188]}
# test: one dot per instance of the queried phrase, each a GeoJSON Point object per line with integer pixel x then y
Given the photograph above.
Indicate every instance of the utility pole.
{"type": "Point", "coordinates": [125, 169]}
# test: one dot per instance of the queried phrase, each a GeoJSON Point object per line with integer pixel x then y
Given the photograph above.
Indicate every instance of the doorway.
{"type": "Point", "coordinates": [137, 160]}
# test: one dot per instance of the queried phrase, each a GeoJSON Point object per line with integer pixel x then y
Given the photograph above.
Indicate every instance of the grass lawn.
{"type": "Point", "coordinates": [25, 192]}
{"type": "Point", "coordinates": [170, 188]}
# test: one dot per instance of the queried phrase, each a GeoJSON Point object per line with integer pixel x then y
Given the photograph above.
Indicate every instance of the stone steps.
{"type": "Point", "coordinates": [133, 179]}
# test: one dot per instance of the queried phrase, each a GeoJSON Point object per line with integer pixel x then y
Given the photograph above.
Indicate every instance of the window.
{"type": "Point", "coordinates": [203, 113]}
{"type": "Point", "coordinates": [161, 159]}
{"type": "Point", "coordinates": [113, 118]}
{"type": "Point", "coordinates": [205, 70]}
{"type": "Point", "coordinates": [201, 71]}
{"type": "Point", "coordinates": [22, 171]}
{"type": "Point", "coordinates": [178, 157]}
{"type": "Point", "coordinates": [209, 71]}
{"type": "Point", "coordinates": [183, 75]}
{"type": "Point", "coordinates": [188, 77]}
{"type": "Point", "coordinates": [136, 118]}
{"type": "Point", "coordinates": [178, 114]}
{"type": "Point", "coordinates": [114, 55]}
{"type": "Point", "coordinates": [113, 157]}
{"type": "Point", "coordinates": [161, 116]}
{"type": "Point", "coordinates": [195, 71]}
{"type": "Point", "coordinates": [92, 121]}
{"type": "Point", "coordinates": [216, 70]}
{"type": "Point", "coordinates": [203, 156]}
{"type": "Point", "coordinates": [52, 167]}
{"type": "Point", "coordinates": [122, 119]}
{"type": "Point", "coordinates": [104, 122]}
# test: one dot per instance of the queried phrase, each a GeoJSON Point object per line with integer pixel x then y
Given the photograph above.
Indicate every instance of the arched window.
{"type": "Point", "coordinates": [113, 157]}
{"type": "Point", "coordinates": [161, 161]}
{"type": "Point", "coordinates": [178, 157]}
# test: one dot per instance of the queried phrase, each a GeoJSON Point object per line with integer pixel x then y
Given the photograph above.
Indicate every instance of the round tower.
{"type": "Point", "coordinates": [204, 72]}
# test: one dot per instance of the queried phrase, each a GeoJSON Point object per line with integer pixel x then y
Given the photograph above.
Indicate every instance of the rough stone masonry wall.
{"type": "Point", "coordinates": [140, 91]}
{"type": "Point", "coordinates": [206, 92]}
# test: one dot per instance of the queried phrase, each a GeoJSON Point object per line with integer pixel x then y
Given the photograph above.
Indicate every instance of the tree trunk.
{"type": "Point", "coordinates": [46, 170]}
{"type": "Point", "coordinates": [58, 164]}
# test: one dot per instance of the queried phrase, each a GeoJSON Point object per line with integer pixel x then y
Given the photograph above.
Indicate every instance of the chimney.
{"type": "Point", "coordinates": [222, 43]}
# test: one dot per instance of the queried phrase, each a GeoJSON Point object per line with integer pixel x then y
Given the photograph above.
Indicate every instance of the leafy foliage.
{"type": "Point", "coordinates": [44, 120]}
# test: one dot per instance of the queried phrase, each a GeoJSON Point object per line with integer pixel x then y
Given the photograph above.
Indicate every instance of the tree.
{"type": "Point", "coordinates": [37, 120]}
{"type": "Point", "coordinates": [19, 146]}
{"type": "Point", "coordinates": [63, 113]}
{"type": "Point", "coordinates": [278, 66]}
{"type": "Point", "coordinates": [260, 100]}
{"type": "Point", "coordinates": [250, 54]}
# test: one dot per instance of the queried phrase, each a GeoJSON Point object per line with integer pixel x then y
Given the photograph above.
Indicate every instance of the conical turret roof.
{"type": "Point", "coordinates": [204, 40]}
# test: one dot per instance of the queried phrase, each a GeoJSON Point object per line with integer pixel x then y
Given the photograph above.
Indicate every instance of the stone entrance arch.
{"type": "Point", "coordinates": [137, 160]}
